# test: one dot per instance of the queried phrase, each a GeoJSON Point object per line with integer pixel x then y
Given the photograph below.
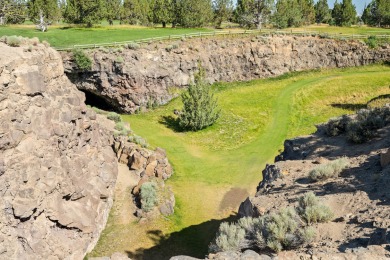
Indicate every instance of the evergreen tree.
{"type": "Point", "coordinates": [308, 11]}
{"type": "Point", "coordinates": [288, 14]}
{"type": "Point", "coordinates": [377, 13]}
{"type": "Point", "coordinates": [12, 11]}
{"type": "Point", "coordinates": [222, 11]}
{"type": "Point", "coordinates": [383, 12]}
{"type": "Point", "coordinates": [111, 9]}
{"type": "Point", "coordinates": [162, 11]}
{"type": "Point", "coordinates": [253, 13]}
{"type": "Point", "coordinates": [137, 11]}
{"type": "Point", "coordinates": [337, 14]}
{"type": "Point", "coordinates": [189, 13]}
{"type": "Point", "coordinates": [86, 12]}
{"type": "Point", "coordinates": [49, 9]}
{"type": "Point", "coordinates": [200, 107]}
{"type": "Point", "coordinates": [322, 10]}
{"type": "Point", "coordinates": [349, 14]}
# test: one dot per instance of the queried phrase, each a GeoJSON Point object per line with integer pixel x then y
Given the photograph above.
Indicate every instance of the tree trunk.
{"type": "Point", "coordinates": [164, 24]}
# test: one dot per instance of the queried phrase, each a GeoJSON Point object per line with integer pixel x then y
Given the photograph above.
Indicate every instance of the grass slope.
{"type": "Point", "coordinates": [59, 36]}
{"type": "Point", "coordinates": [213, 166]}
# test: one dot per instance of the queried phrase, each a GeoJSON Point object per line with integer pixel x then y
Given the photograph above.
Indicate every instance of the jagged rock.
{"type": "Point", "coordinates": [57, 167]}
{"type": "Point", "coordinates": [270, 174]}
{"type": "Point", "coordinates": [115, 256]}
{"type": "Point", "coordinates": [247, 255]}
{"type": "Point", "coordinates": [147, 74]}
{"type": "Point", "coordinates": [167, 208]}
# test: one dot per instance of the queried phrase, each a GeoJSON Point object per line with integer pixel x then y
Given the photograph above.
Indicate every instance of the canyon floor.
{"type": "Point", "coordinates": [217, 168]}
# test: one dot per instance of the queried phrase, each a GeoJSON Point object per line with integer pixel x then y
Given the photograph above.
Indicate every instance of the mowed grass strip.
{"type": "Point", "coordinates": [62, 36]}
{"type": "Point", "coordinates": [257, 117]}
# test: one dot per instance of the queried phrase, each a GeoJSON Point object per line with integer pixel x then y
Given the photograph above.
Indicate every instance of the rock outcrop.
{"type": "Point", "coordinates": [130, 79]}
{"type": "Point", "coordinates": [57, 166]}
{"type": "Point", "coordinates": [147, 166]}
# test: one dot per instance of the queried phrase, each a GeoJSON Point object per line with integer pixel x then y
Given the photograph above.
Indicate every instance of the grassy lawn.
{"type": "Point", "coordinates": [345, 30]}
{"type": "Point", "coordinates": [213, 166]}
{"type": "Point", "coordinates": [62, 36]}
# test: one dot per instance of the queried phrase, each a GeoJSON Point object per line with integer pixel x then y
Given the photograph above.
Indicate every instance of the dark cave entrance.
{"type": "Point", "coordinates": [94, 100]}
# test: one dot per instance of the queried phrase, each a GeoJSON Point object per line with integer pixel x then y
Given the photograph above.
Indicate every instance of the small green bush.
{"type": "Point", "coordinates": [119, 59]}
{"type": "Point", "coordinates": [82, 60]}
{"type": "Point", "coordinates": [133, 46]}
{"type": "Point", "coordinates": [14, 41]}
{"type": "Point", "coordinates": [312, 211]}
{"type": "Point", "coordinates": [200, 107]}
{"type": "Point", "coordinates": [230, 237]}
{"type": "Point", "coordinates": [169, 48]}
{"type": "Point", "coordinates": [337, 126]}
{"type": "Point", "coordinates": [372, 42]}
{"type": "Point", "coordinates": [329, 170]}
{"type": "Point", "coordinates": [148, 196]}
{"type": "Point", "coordinates": [114, 117]}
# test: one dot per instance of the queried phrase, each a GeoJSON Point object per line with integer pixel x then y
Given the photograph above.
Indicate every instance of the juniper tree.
{"type": "Point", "coordinates": [200, 108]}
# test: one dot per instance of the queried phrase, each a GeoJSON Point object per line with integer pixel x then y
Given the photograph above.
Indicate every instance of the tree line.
{"type": "Point", "coordinates": [189, 13]}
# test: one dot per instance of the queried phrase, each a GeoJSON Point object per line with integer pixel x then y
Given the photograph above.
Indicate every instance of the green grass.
{"type": "Point", "coordinates": [345, 30]}
{"type": "Point", "coordinates": [257, 117]}
{"type": "Point", "coordinates": [62, 36]}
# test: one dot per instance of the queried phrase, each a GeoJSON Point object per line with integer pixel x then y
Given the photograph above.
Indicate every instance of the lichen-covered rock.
{"type": "Point", "coordinates": [148, 75]}
{"type": "Point", "coordinates": [57, 167]}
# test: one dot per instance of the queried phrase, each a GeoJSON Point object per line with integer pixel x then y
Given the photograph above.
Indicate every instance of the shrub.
{"type": "Point", "coordinates": [312, 211]}
{"type": "Point", "coordinates": [14, 41]}
{"type": "Point", "coordinates": [337, 126]}
{"type": "Point", "coordinates": [133, 46]}
{"type": "Point", "coordinates": [200, 107]}
{"type": "Point", "coordinates": [114, 117]}
{"type": "Point", "coordinates": [169, 48]}
{"type": "Point", "coordinates": [119, 59]}
{"type": "Point", "coordinates": [82, 60]}
{"type": "Point", "coordinates": [372, 42]}
{"type": "Point", "coordinates": [148, 196]}
{"type": "Point", "coordinates": [329, 170]}
{"type": "Point", "coordinates": [122, 129]}
{"type": "Point", "coordinates": [34, 41]}
{"type": "Point", "coordinates": [278, 231]}
{"type": "Point", "coordinates": [230, 237]}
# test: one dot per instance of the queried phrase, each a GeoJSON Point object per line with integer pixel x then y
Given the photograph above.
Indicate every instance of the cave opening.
{"type": "Point", "coordinates": [97, 101]}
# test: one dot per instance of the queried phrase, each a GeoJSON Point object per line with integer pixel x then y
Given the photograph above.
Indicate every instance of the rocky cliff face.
{"type": "Point", "coordinates": [57, 167]}
{"type": "Point", "coordinates": [128, 79]}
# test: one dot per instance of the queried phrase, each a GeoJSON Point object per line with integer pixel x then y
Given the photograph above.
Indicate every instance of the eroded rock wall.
{"type": "Point", "coordinates": [128, 79]}
{"type": "Point", "coordinates": [57, 166]}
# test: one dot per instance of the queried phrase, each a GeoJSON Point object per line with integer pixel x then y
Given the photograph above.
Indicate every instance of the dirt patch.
{"type": "Point", "coordinates": [124, 207]}
{"type": "Point", "coordinates": [232, 198]}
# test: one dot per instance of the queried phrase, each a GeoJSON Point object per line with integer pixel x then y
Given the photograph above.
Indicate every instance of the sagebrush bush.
{"type": "Point", "coordinates": [148, 196]}
{"type": "Point", "coordinates": [337, 126]}
{"type": "Point", "coordinates": [133, 46]}
{"type": "Point", "coordinates": [114, 117]}
{"type": "Point", "coordinates": [329, 170]}
{"type": "Point", "coordinates": [312, 211]}
{"type": "Point", "coordinates": [82, 60]}
{"type": "Point", "coordinates": [278, 231]}
{"type": "Point", "coordinates": [362, 127]}
{"type": "Point", "coordinates": [13, 41]}
{"type": "Point", "coordinates": [230, 237]}
{"type": "Point", "coordinates": [200, 107]}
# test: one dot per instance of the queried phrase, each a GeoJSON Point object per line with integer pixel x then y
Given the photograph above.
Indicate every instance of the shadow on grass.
{"type": "Point", "coordinates": [191, 241]}
{"type": "Point", "coordinates": [351, 107]}
{"type": "Point", "coordinates": [171, 122]}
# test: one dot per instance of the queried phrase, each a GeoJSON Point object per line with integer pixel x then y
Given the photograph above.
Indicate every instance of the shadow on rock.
{"type": "Point", "coordinates": [191, 241]}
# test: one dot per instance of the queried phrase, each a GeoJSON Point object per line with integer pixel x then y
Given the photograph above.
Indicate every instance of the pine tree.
{"type": "Point", "coordinates": [281, 15]}
{"type": "Point", "coordinates": [348, 13]}
{"type": "Point", "coordinates": [48, 8]}
{"type": "Point", "coordinates": [12, 11]}
{"type": "Point", "coordinates": [308, 11]}
{"type": "Point", "coordinates": [383, 12]}
{"type": "Point", "coordinates": [222, 11]}
{"type": "Point", "coordinates": [162, 11]}
{"type": "Point", "coordinates": [200, 107]}
{"type": "Point", "coordinates": [86, 12]}
{"type": "Point", "coordinates": [337, 13]}
{"type": "Point", "coordinates": [322, 10]}
{"type": "Point", "coordinates": [137, 12]}
{"type": "Point", "coordinates": [190, 13]}
{"type": "Point", "coordinates": [111, 10]}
